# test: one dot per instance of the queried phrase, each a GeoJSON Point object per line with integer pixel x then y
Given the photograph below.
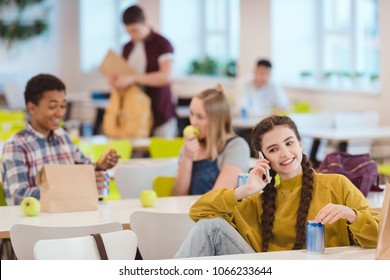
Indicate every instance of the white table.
{"type": "Point", "coordinates": [342, 136]}
{"type": "Point", "coordinates": [332, 253]}
{"type": "Point", "coordinates": [108, 211]}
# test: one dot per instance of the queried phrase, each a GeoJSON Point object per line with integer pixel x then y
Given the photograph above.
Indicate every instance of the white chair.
{"type": "Point", "coordinates": [160, 235]}
{"type": "Point", "coordinates": [119, 245]}
{"type": "Point", "coordinates": [24, 237]}
{"type": "Point", "coordinates": [137, 175]}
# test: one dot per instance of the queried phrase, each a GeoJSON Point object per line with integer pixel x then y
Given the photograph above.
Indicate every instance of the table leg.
{"type": "Point", "coordinates": [343, 146]}
{"type": "Point", "coordinates": [313, 152]}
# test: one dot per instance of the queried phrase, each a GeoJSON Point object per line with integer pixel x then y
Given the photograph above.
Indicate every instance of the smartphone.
{"type": "Point", "coordinates": [267, 174]}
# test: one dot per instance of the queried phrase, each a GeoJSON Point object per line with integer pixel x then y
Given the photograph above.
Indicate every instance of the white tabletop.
{"type": "Point", "coordinates": [352, 134]}
{"type": "Point", "coordinates": [108, 211]}
{"type": "Point", "coordinates": [333, 253]}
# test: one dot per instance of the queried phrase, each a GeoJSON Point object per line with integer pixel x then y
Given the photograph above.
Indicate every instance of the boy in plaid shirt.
{"type": "Point", "coordinates": [43, 141]}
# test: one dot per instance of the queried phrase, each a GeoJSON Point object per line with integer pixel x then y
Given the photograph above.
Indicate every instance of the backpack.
{"type": "Point", "coordinates": [128, 114]}
{"type": "Point", "coordinates": [361, 170]}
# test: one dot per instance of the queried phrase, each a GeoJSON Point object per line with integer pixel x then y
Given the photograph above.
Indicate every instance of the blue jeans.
{"type": "Point", "coordinates": [213, 237]}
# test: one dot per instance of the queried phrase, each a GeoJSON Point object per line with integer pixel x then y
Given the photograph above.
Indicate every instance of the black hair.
{"type": "Point", "coordinates": [39, 84]}
{"type": "Point", "coordinates": [133, 14]}
{"type": "Point", "coordinates": [264, 62]}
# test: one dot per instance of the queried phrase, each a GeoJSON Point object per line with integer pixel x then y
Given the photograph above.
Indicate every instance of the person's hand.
{"type": "Point", "coordinates": [121, 81]}
{"type": "Point", "coordinates": [108, 160]}
{"type": "Point", "coordinates": [191, 147]}
{"type": "Point", "coordinates": [100, 179]}
{"type": "Point", "coordinates": [331, 213]}
{"type": "Point", "coordinates": [257, 180]}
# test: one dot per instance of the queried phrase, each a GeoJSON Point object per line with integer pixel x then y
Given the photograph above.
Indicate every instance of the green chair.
{"type": "Point", "coordinates": [165, 148]}
{"type": "Point", "coordinates": [114, 192]}
{"type": "Point", "coordinates": [384, 169]}
{"type": "Point", "coordinates": [95, 151]}
{"type": "Point", "coordinates": [3, 202]}
{"type": "Point", "coordinates": [163, 185]}
{"type": "Point", "coordinates": [301, 107]}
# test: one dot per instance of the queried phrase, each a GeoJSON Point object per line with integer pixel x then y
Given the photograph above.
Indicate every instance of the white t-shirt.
{"type": "Point", "coordinates": [259, 101]}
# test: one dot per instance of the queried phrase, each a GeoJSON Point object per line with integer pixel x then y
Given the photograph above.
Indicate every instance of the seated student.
{"type": "Point", "coordinates": [214, 159]}
{"type": "Point", "coordinates": [43, 141]}
{"type": "Point", "coordinates": [261, 216]}
{"type": "Point", "coordinates": [259, 95]}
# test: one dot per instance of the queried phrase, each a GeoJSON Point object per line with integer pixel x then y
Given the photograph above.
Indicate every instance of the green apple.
{"type": "Point", "coordinates": [31, 206]}
{"type": "Point", "coordinates": [189, 130]}
{"type": "Point", "coordinates": [148, 198]}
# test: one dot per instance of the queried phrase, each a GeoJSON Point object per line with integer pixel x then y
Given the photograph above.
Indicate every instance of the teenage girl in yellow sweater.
{"type": "Point", "coordinates": [261, 216]}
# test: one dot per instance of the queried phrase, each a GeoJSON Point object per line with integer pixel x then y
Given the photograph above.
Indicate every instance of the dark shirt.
{"type": "Point", "coordinates": [162, 105]}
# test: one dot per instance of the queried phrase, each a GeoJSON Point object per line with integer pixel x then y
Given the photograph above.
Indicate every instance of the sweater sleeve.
{"type": "Point", "coordinates": [366, 225]}
{"type": "Point", "coordinates": [215, 203]}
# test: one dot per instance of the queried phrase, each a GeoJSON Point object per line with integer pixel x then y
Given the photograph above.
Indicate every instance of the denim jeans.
{"type": "Point", "coordinates": [212, 237]}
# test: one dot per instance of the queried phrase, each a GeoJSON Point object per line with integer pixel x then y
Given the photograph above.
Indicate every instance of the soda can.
{"type": "Point", "coordinates": [315, 237]}
{"type": "Point", "coordinates": [244, 113]}
{"type": "Point", "coordinates": [105, 191]}
{"type": "Point", "coordinates": [242, 179]}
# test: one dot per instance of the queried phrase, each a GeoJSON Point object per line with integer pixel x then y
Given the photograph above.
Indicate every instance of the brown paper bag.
{"type": "Point", "coordinates": [114, 64]}
{"type": "Point", "coordinates": [129, 114]}
{"type": "Point", "coordinates": [66, 188]}
{"type": "Point", "coordinates": [383, 248]}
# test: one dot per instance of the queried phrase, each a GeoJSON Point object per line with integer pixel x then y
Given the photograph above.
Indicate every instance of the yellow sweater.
{"type": "Point", "coordinates": [245, 215]}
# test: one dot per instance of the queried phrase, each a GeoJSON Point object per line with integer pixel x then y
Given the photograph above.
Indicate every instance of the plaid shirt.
{"type": "Point", "coordinates": [26, 152]}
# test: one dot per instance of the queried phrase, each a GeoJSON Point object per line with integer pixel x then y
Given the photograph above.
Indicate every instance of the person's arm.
{"type": "Point", "coordinates": [15, 167]}
{"type": "Point", "coordinates": [361, 220]}
{"type": "Point", "coordinates": [281, 101]}
{"type": "Point", "coordinates": [234, 160]}
{"type": "Point", "coordinates": [158, 78]}
{"type": "Point", "coordinates": [183, 177]}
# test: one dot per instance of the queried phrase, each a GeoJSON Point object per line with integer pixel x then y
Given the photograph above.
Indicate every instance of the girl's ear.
{"type": "Point", "coordinates": [300, 144]}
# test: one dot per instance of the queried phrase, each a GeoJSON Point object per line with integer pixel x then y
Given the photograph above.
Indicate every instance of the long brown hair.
{"type": "Point", "coordinates": [269, 195]}
{"type": "Point", "coordinates": [219, 119]}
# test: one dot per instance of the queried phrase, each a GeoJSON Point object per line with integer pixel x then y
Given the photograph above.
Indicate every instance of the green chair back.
{"type": "Point", "coordinates": [3, 202]}
{"type": "Point", "coordinates": [114, 192]}
{"type": "Point", "coordinates": [95, 151]}
{"type": "Point", "coordinates": [384, 169]}
{"type": "Point", "coordinates": [165, 148]}
{"type": "Point", "coordinates": [302, 107]}
{"type": "Point", "coordinates": [163, 185]}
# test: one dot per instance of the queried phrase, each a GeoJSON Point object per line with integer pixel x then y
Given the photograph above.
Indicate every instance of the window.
{"type": "Point", "coordinates": [100, 29]}
{"type": "Point", "coordinates": [330, 39]}
{"type": "Point", "coordinates": [199, 29]}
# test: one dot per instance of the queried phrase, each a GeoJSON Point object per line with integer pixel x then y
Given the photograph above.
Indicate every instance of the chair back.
{"type": "Point", "coordinates": [95, 150]}
{"type": "Point", "coordinates": [160, 235]}
{"type": "Point", "coordinates": [163, 185]}
{"type": "Point", "coordinates": [165, 148]}
{"type": "Point", "coordinates": [136, 175]}
{"type": "Point", "coordinates": [24, 237]}
{"type": "Point", "coordinates": [119, 245]}
{"type": "Point", "coordinates": [3, 201]}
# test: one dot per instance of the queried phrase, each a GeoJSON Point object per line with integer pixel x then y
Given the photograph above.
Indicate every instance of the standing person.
{"type": "Point", "coordinates": [261, 216]}
{"type": "Point", "coordinates": [43, 141]}
{"type": "Point", "coordinates": [150, 55]}
{"type": "Point", "coordinates": [215, 157]}
{"type": "Point", "coordinates": [259, 95]}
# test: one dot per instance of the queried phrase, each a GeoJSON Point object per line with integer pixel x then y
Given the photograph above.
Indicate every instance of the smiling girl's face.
{"type": "Point", "coordinates": [284, 151]}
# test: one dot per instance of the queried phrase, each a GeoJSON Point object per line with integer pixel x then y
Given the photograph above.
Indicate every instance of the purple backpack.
{"type": "Point", "coordinates": [361, 170]}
